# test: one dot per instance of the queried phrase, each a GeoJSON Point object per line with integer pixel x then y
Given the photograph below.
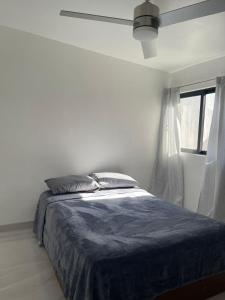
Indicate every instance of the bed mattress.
{"type": "Point", "coordinates": [126, 244]}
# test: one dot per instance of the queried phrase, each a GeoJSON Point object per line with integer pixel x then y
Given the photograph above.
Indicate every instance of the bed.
{"type": "Point", "coordinates": [126, 244]}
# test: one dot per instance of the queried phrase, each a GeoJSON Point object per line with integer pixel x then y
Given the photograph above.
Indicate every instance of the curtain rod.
{"type": "Point", "coordinates": [189, 84]}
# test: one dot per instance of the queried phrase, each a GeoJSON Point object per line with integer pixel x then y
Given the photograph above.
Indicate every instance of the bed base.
{"type": "Point", "coordinates": [200, 290]}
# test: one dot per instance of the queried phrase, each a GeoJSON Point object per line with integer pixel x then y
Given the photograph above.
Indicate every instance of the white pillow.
{"type": "Point", "coordinates": [110, 180]}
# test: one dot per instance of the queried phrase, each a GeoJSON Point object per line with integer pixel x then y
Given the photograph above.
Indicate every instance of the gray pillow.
{"type": "Point", "coordinates": [108, 180]}
{"type": "Point", "coordinates": [71, 184]}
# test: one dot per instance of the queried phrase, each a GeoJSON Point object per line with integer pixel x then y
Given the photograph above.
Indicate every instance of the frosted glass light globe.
{"type": "Point", "coordinates": [145, 33]}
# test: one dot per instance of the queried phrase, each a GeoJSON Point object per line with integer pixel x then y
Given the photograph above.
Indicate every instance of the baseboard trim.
{"type": "Point", "coordinates": [16, 226]}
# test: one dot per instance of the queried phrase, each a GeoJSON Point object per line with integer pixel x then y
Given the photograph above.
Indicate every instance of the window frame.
{"type": "Point", "coordinates": [202, 93]}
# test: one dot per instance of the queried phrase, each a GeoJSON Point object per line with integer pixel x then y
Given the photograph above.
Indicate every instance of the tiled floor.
{"type": "Point", "coordinates": [25, 271]}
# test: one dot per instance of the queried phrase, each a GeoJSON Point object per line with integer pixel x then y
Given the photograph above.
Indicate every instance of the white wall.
{"type": "Point", "coordinates": [200, 72]}
{"type": "Point", "coordinates": [63, 111]}
{"type": "Point", "coordinates": [194, 164]}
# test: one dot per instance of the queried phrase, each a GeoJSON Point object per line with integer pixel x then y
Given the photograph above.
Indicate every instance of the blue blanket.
{"type": "Point", "coordinates": [126, 244]}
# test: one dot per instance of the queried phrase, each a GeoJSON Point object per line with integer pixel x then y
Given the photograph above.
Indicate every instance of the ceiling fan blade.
{"type": "Point", "coordinates": [78, 15]}
{"type": "Point", "coordinates": [198, 10]}
{"type": "Point", "coordinates": [149, 49]}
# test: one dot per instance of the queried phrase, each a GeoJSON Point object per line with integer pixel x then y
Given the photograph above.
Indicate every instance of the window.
{"type": "Point", "coordinates": [196, 118]}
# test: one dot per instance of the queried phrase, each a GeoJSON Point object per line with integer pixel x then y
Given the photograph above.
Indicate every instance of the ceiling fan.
{"type": "Point", "coordinates": [147, 20]}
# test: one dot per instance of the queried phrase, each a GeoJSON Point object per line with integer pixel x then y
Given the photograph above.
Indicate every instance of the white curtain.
{"type": "Point", "coordinates": [212, 197]}
{"type": "Point", "coordinates": [167, 178]}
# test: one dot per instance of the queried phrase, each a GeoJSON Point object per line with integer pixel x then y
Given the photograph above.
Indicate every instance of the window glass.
{"type": "Point", "coordinates": [209, 104]}
{"type": "Point", "coordinates": [190, 111]}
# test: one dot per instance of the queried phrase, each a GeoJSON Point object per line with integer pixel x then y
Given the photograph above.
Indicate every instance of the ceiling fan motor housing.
{"type": "Point", "coordinates": [146, 21]}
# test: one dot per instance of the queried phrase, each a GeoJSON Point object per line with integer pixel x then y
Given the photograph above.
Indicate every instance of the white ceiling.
{"type": "Point", "coordinates": [179, 46]}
